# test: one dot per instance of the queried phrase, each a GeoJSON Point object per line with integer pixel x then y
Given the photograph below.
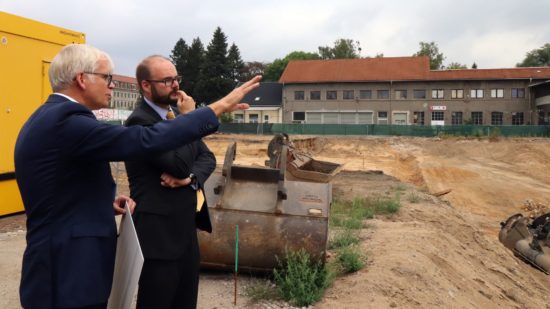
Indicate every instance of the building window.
{"type": "Point", "coordinates": [418, 118]}
{"type": "Point", "coordinates": [438, 116]}
{"type": "Point", "coordinates": [365, 94]}
{"type": "Point", "coordinates": [253, 118]}
{"type": "Point", "coordinates": [518, 93]}
{"type": "Point", "coordinates": [298, 117]}
{"type": "Point", "coordinates": [298, 95]}
{"type": "Point", "coordinates": [238, 118]}
{"type": "Point", "coordinates": [266, 118]}
{"type": "Point", "coordinates": [496, 118]}
{"type": "Point", "coordinates": [476, 93]}
{"type": "Point", "coordinates": [383, 94]}
{"type": "Point", "coordinates": [383, 115]}
{"type": "Point", "coordinates": [517, 119]}
{"type": "Point", "coordinates": [497, 93]}
{"type": "Point", "coordinates": [315, 95]}
{"type": "Point", "coordinates": [400, 94]}
{"type": "Point", "coordinates": [457, 93]}
{"type": "Point", "coordinates": [348, 95]}
{"type": "Point", "coordinates": [331, 95]}
{"type": "Point", "coordinates": [456, 118]}
{"type": "Point", "coordinates": [419, 93]}
{"type": "Point", "coordinates": [437, 94]}
{"type": "Point", "coordinates": [477, 118]}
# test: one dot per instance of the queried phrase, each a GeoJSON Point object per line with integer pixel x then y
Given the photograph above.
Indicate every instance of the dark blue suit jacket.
{"type": "Point", "coordinates": [62, 168]}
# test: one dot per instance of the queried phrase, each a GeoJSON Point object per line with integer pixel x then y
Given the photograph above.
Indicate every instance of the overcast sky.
{"type": "Point", "coordinates": [492, 33]}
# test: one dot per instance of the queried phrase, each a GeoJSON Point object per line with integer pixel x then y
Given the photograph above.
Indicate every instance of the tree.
{"type": "Point", "coordinates": [235, 63]}
{"type": "Point", "coordinates": [274, 70]}
{"type": "Point", "coordinates": [252, 69]}
{"type": "Point", "coordinates": [474, 65]}
{"type": "Point", "coordinates": [192, 70]}
{"type": "Point", "coordinates": [179, 56]}
{"type": "Point", "coordinates": [537, 57]}
{"type": "Point", "coordinates": [432, 51]}
{"type": "Point", "coordinates": [343, 49]}
{"type": "Point", "coordinates": [215, 79]}
{"type": "Point", "coordinates": [456, 66]}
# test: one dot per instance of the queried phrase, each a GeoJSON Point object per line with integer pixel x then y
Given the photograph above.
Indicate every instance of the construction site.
{"type": "Point", "coordinates": [440, 250]}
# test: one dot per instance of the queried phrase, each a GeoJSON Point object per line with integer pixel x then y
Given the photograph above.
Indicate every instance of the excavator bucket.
{"type": "Point", "coordinates": [273, 215]}
{"type": "Point", "coordinates": [528, 238]}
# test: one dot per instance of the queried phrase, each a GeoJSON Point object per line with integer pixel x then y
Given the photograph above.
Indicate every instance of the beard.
{"type": "Point", "coordinates": [163, 99]}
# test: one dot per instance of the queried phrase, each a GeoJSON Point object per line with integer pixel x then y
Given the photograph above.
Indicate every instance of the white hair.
{"type": "Point", "coordinates": [72, 60]}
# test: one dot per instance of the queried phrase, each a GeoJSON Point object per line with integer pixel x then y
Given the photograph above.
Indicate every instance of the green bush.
{"type": "Point", "coordinates": [350, 259]}
{"type": "Point", "coordinates": [300, 280]}
{"type": "Point", "coordinates": [387, 205]}
{"type": "Point", "coordinates": [343, 238]}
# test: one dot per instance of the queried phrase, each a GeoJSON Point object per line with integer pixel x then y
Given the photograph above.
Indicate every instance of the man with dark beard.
{"type": "Point", "coordinates": [165, 189]}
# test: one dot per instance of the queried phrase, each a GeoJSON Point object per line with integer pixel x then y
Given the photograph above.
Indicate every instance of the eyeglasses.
{"type": "Point", "coordinates": [168, 82]}
{"type": "Point", "coordinates": [107, 77]}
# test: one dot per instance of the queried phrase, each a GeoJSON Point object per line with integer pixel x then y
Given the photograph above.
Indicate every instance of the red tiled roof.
{"type": "Point", "coordinates": [511, 73]}
{"type": "Point", "coordinates": [394, 69]}
{"type": "Point", "coordinates": [354, 70]}
{"type": "Point", "coordinates": [126, 79]}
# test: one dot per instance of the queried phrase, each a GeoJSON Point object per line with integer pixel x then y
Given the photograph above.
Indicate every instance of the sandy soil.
{"type": "Point", "coordinates": [439, 252]}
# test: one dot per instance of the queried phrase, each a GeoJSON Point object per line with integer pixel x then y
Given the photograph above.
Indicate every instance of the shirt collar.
{"type": "Point", "coordinates": [66, 96]}
{"type": "Point", "coordinates": [161, 111]}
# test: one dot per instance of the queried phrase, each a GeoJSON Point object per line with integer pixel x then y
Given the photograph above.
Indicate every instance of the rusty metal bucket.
{"type": "Point", "coordinates": [273, 215]}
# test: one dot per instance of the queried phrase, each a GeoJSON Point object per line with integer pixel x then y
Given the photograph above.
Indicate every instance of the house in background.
{"type": "Point", "coordinates": [265, 105]}
{"type": "Point", "coordinates": [125, 93]}
{"type": "Point", "coordinates": [403, 90]}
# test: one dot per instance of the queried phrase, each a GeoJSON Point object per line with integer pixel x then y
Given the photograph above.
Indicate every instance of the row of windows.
{"type": "Point", "coordinates": [401, 94]}
{"type": "Point", "coordinates": [124, 85]}
{"type": "Point", "coordinates": [125, 95]}
{"type": "Point", "coordinates": [457, 118]}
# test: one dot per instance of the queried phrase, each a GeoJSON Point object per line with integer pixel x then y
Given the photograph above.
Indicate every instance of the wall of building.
{"type": "Point", "coordinates": [254, 116]}
{"type": "Point", "coordinates": [399, 110]}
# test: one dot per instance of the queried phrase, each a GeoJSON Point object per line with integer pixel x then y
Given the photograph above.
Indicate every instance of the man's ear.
{"type": "Point", "coordinates": [79, 79]}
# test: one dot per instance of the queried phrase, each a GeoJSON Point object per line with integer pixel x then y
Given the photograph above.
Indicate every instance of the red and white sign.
{"type": "Point", "coordinates": [438, 108]}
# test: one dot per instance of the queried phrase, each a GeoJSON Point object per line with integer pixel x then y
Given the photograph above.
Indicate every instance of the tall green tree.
{"type": "Point", "coordinates": [474, 65]}
{"type": "Point", "coordinates": [215, 80]}
{"type": "Point", "coordinates": [274, 70]}
{"type": "Point", "coordinates": [432, 51]}
{"type": "Point", "coordinates": [236, 64]}
{"type": "Point", "coordinates": [539, 57]}
{"type": "Point", "coordinates": [342, 49]}
{"type": "Point", "coordinates": [179, 55]}
{"type": "Point", "coordinates": [192, 70]}
{"type": "Point", "coordinates": [455, 66]}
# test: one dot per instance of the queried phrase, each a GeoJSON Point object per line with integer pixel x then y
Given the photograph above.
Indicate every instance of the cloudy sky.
{"type": "Point", "coordinates": [494, 34]}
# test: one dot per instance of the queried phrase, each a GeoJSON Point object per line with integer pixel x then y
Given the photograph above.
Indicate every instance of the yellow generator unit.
{"type": "Point", "coordinates": [27, 47]}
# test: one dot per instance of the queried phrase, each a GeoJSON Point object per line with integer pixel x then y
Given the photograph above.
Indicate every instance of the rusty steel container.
{"type": "Point", "coordinates": [273, 215]}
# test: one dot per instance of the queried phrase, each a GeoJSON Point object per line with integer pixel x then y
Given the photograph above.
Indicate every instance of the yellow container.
{"type": "Point", "coordinates": [27, 48]}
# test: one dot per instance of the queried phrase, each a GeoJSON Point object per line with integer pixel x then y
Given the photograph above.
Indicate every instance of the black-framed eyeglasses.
{"type": "Point", "coordinates": [106, 76]}
{"type": "Point", "coordinates": [168, 82]}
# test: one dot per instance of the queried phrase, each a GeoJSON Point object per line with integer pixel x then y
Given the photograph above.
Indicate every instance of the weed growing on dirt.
{"type": "Point", "coordinates": [387, 205]}
{"type": "Point", "coordinates": [262, 290]}
{"type": "Point", "coordinates": [414, 197]}
{"type": "Point", "coordinates": [400, 187]}
{"type": "Point", "coordinates": [299, 279]}
{"type": "Point", "coordinates": [343, 238]}
{"type": "Point", "coordinates": [351, 259]}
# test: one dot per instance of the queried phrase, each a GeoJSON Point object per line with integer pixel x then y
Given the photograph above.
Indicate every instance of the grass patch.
{"type": "Point", "coordinates": [400, 187]}
{"type": "Point", "coordinates": [387, 205]}
{"type": "Point", "coordinates": [300, 280]}
{"type": "Point", "coordinates": [414, 197]}
{"type": "Point", "coordinates": [343, 238]}
{"type": "Point", "coordinates": [351, 260]}
{"type": "Point", "coordinates": [262, 290]}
